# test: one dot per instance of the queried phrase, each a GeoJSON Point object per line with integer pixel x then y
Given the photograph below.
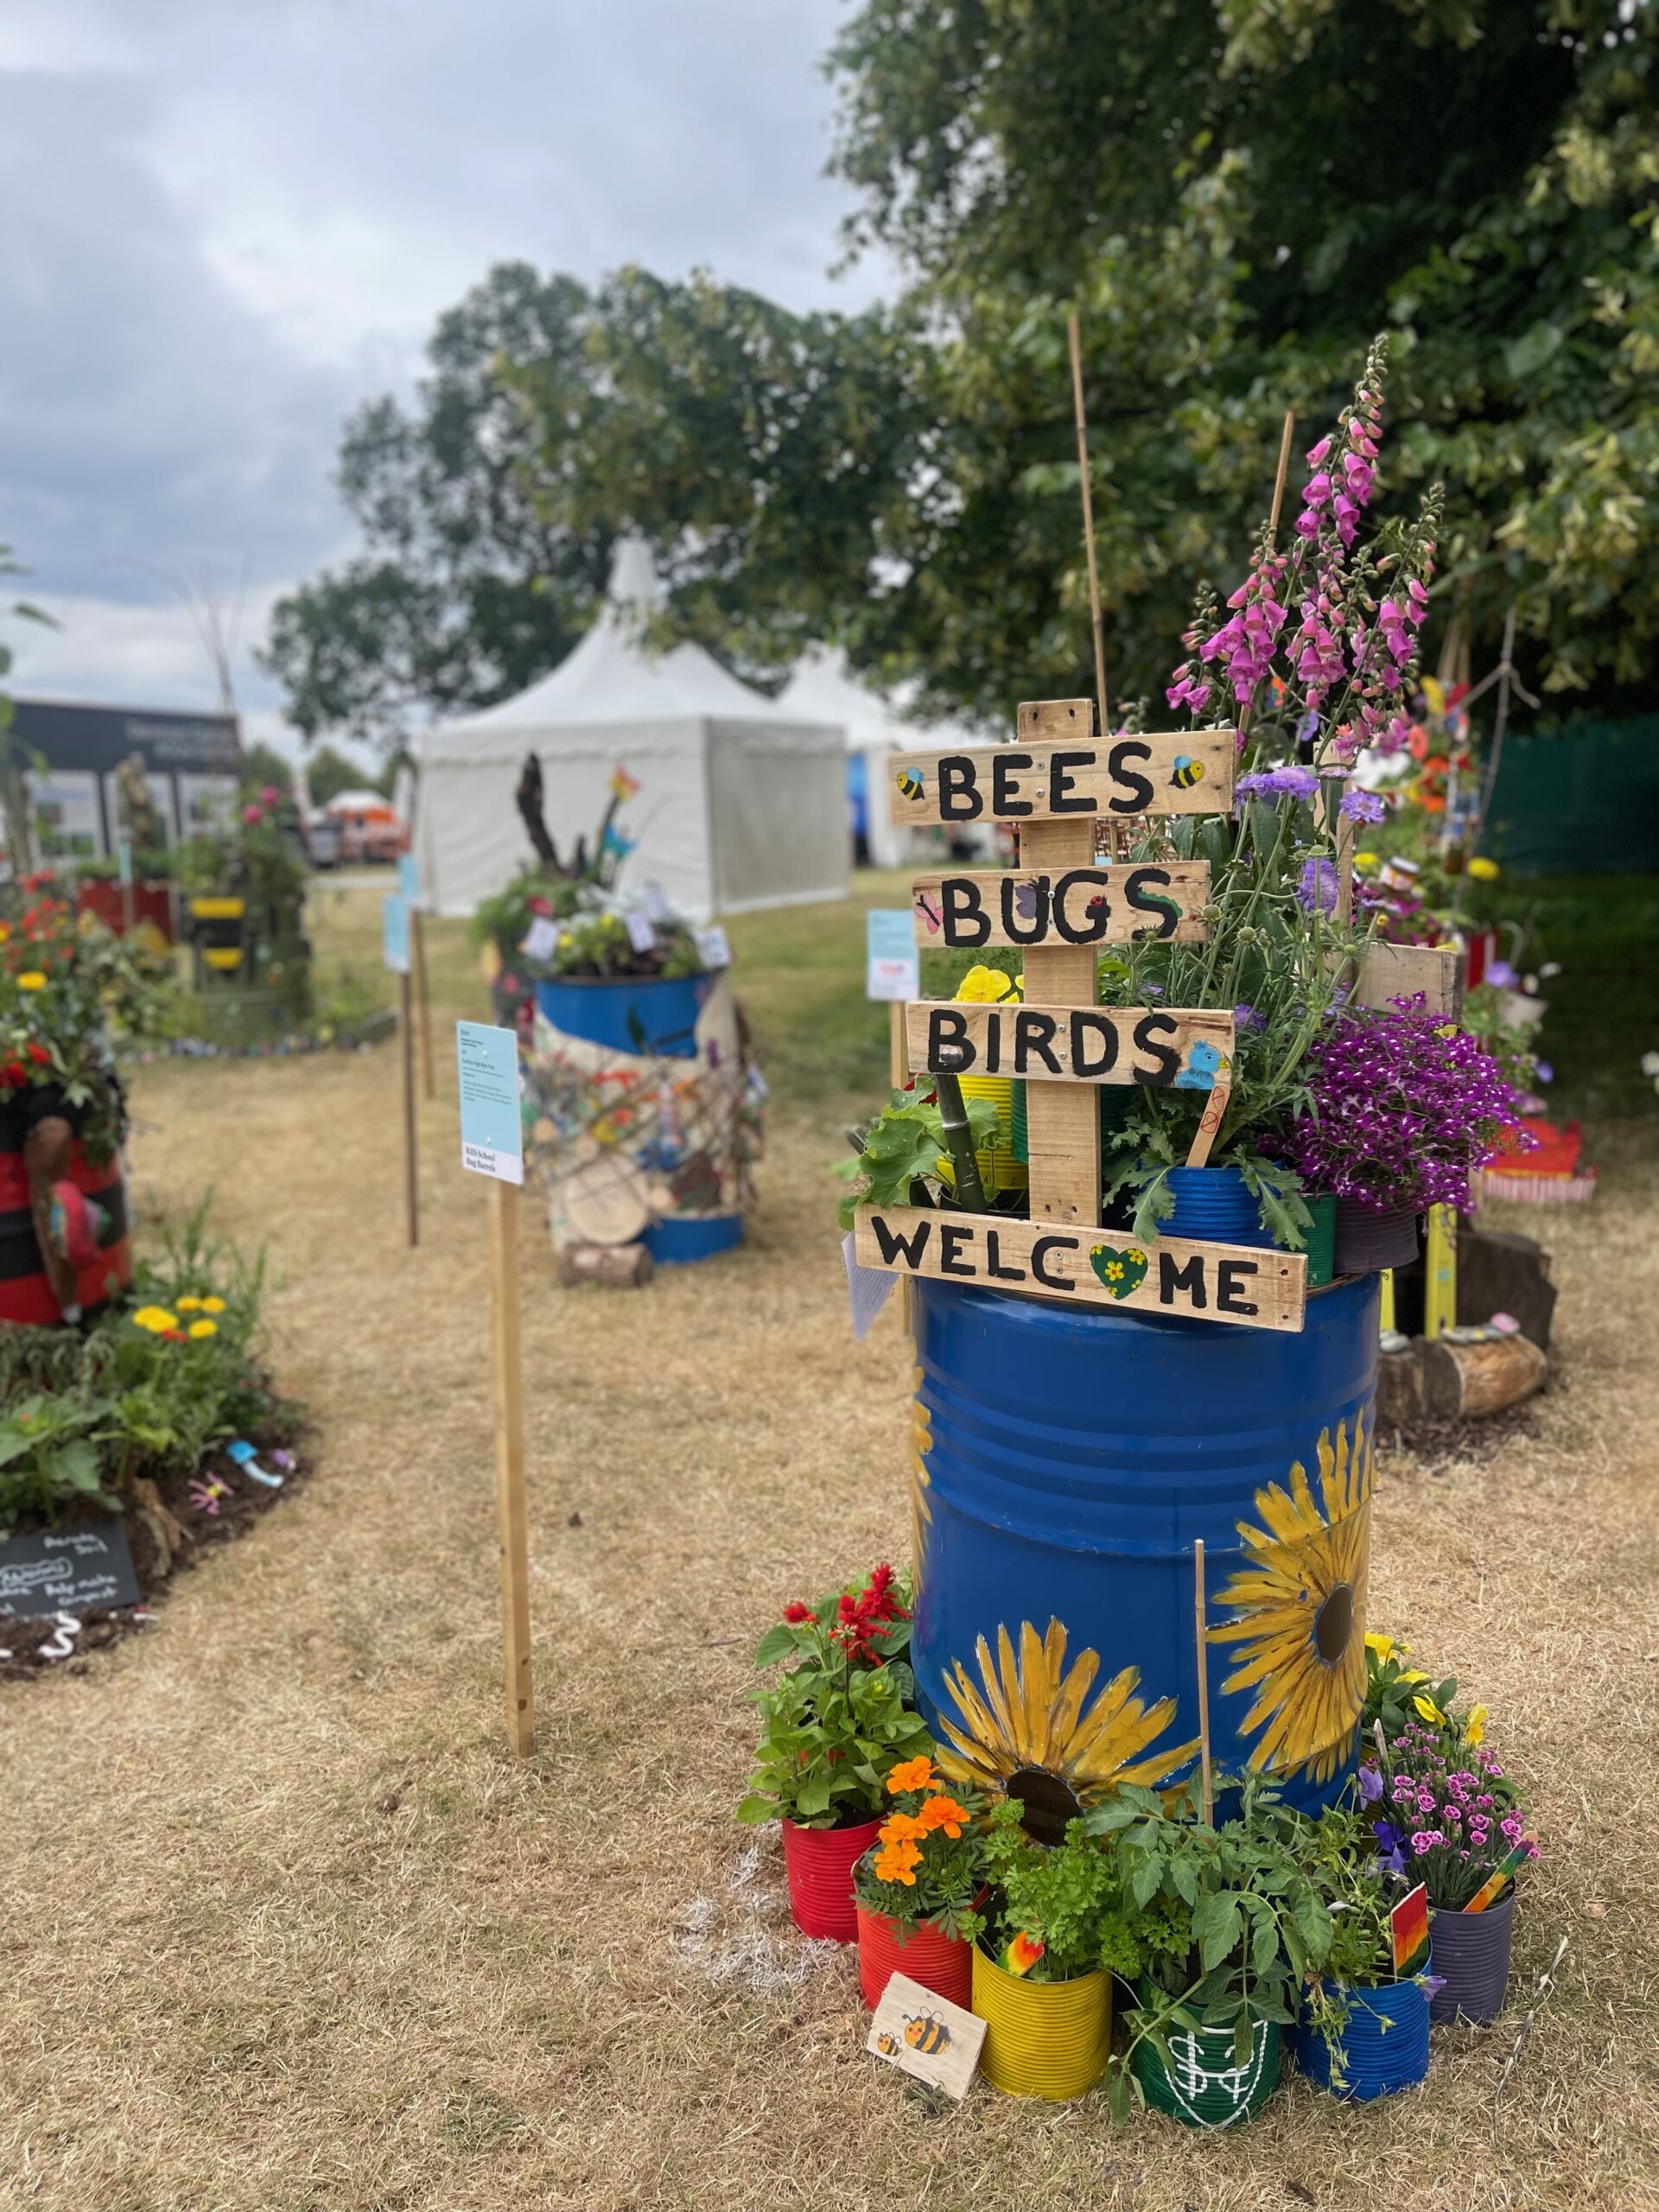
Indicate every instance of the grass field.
{"type": "Point", "coordinates": [287, 1931]}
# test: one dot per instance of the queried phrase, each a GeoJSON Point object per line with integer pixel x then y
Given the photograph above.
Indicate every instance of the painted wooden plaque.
{"type": "Point", "coordinates": [1062, 907]}
{"type": "Point", "coordinates": [1255, 1287]}
{"type": "Point", "coordinates": [1183, 771]}
{"type": "Point", "coordinates": [1158, 1047]}
{"type": "Point", "coordinates": [926, 2037]}
{"type": "Point", "coordinates": [1399, 971]}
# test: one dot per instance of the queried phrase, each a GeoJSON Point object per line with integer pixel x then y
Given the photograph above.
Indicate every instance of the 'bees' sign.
{"type": "Point", "coordinates": [1258, 1287]}
{"type": "Point", "coordinates": [1079, 906]}
{"type": "Point", "coordinates": [1189, 771]}
{"type": "Point", "coordinates": [1189, 1048]}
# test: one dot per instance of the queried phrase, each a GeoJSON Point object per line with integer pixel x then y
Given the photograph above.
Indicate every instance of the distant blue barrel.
{"type": "Point", "coordinates": [628, 1013]}
{"type": "Point", "coordinates": [677, 1240]}
{"type": "Point", "coordinates": [1063, 1463]}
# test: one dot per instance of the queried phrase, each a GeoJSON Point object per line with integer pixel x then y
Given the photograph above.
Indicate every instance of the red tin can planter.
{"type": "Point", "coordinates": [25, 1294]}
{"type": "Point", "coordinates": [944, 1964]}
{"type": "Point", "coordinates": [819, 1863]}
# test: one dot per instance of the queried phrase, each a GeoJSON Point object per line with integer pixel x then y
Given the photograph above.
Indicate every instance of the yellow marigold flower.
{"type": "Point", "coordinates": [212, 1306]}
{"type": "Point", "coordinates": [913, 1774]}
{"type": "Point", "coordinates": [31, 980]}
{"type": "Point", "coordinates": [1483, 870]}
{"type": "Point", "coordinates": [155, 1318]}
{"type": "Point", "coordinates": [204, 1328]}
{"type": "Point", "coordinates": [1430, 1711]}
{"type": "Point", "coordinates": [1475, 1726]}
{"type": "Point", "coordinates": [1382, 1645]}
{"type": "Point", "coordinates": [188, 1305]}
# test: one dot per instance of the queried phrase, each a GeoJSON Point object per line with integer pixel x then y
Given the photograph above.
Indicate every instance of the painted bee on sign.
{"type": "Point", "coordinates": [927, 2035]}
{"type": "Point", "coordinates": [909, 781]}
{"type": "Point", "coordinates": [887, 2044]}
{"type": "Point", "coordinates": [1188, 772]}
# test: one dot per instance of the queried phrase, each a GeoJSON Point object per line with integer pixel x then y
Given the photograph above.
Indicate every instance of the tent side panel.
{"type": "Point", "coordinates": [471, 841]}
{"type": "Point", "coordinates": [777, 810]}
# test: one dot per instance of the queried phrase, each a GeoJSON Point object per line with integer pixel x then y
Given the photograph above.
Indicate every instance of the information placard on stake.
{"type": "Point", "coordinates": [492, 1144]}
{"type": "Point", "coordinates": [1057, 783]}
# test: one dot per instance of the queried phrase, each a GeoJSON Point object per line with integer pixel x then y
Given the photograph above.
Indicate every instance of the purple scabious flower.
{"type": "Point", "coordinates": [1363, 806]}
{"type": "Point", "coordinates": [1501, 976]}
{"type": "Point", "coordinates": [1543, 1070]}
{"type": "Point", "coordinates": [1317, 890]}
{"type": "Point", "coordinates": [1246, 1017]}
{"type": "Point", "coordinates": [1290, 782]}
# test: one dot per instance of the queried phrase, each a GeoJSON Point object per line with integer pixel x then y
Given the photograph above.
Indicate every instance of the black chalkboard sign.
{"type": "Point", "coordinates": [65, 1570]}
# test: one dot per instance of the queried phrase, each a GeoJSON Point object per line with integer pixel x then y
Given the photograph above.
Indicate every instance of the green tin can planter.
{"type": "Point", "coordinates": [1205, 2086]}
{"type": "Point", "coordinates": [1321, 1242]}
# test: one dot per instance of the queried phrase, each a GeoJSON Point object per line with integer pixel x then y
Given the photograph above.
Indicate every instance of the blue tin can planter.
{"type": "Point", "coordinates": [1384, 2044]}
{"type": "Point", "coordinates": [1063, 1462]}
{"type": "Point", "coordinates": [628, 1013]}
{"type": "Point", "coordinates": [677, 1240]}
{"type": "Point", "coordinates": [1213, 1207]}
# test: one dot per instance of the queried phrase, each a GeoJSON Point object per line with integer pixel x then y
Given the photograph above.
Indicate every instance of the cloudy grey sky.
{"type": "Point", "coordinates": [227, 221]}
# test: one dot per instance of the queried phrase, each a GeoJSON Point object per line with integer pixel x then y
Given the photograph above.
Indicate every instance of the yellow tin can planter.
{"type": "Point", "coordinates": [1042, 2038]}
{"type": "Point", "coordinates": [1001, 1167]}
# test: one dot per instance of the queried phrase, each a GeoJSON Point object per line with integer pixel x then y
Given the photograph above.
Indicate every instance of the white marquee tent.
{"type": "Point", "coordinates": [822, 690]}
{"type": "Point", "coordinates": [742, 801]}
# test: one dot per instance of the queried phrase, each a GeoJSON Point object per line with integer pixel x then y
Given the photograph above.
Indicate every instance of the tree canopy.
{"type": "Point", "coordinates": [1235, 195]}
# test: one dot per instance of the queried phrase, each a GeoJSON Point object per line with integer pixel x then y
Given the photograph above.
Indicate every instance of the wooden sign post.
{"type": "Point", "coordinates": [409, 884]}
{"type": "Point", "coordinates": [1060, 782]}
{"type": "Point", "coordinates": [394, 925]}
{"type": "Point", "coordinates": [491, 1143]}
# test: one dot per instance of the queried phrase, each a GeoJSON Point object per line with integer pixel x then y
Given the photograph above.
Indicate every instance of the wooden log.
{"type": "Point", "coordinates": [1467, 1382]}
{"type": "Point", "coordinates": [1501, 1273]}
{"type": "Point", "coordinates": [616, 1266]}
{"type": "Point", "coordinates": [1400, 1387]}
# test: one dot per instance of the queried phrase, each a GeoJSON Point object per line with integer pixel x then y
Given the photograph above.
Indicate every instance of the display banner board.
{"type": "Point", "coordinates": [892, 967]}
{"type": "Point", "coordinates": [1057, 785]}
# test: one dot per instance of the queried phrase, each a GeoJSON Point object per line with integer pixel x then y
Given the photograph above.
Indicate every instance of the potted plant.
{"type": "Point", "coordinates": [1401, 1108]}
{"type": "Point", "coordinates": [1229, 1923]}
{"type": "Point", "coordinates": [1365, 2027]}
{"type": "Point", "coordinates": [916, 1888]}
{"type": "Point", "coordinates": [1444, 1813]}
{"type": "Point", "coordinates": [1041, 1981]}
{"type": "Point", "coordinates": [833, 1728]}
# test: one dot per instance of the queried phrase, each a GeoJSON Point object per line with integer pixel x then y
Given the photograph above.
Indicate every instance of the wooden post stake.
{"type": "Point", "coordinates": [1074, 338]}
{"type": "Point", "coordinates": [1062, 1119]}
{"type": "Point", "coordinates": [406, 1042]}
{"type": "Point", "coordinates": [510, 1465]}
{"type": "Point", "coordinates": [897, 1069]}
{"type": "Point", "coordinates": [1441, 1272]}
{"type": "Point", "coordinates": [1200, 1611]}
{"type": "Point", "coordinates": [417, 946]}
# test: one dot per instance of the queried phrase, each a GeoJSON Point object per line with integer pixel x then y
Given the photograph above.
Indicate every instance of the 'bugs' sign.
{"type": "Point", "coordinates": [1069, 907]}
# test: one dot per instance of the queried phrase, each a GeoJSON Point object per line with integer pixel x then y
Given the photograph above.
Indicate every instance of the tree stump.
{"type": "Point", "coordinates": [1466, 1382]}
{"type": "Point", "coordinates": [617, 1267]}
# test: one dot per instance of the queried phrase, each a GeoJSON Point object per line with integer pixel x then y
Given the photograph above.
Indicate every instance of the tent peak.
{"type": "Point", "coordinates": [634, 580]}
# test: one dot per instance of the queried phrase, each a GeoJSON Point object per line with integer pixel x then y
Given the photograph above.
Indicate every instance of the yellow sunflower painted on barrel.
{"type": "Point", "coordinates": [1025, 1731]}
{"type": "Point", "coordinates": [921, 1511]}
{"type": "Point", "coordinates": [1300, 1598]}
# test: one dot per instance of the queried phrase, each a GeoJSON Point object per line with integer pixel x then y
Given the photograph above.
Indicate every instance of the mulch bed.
{"type": "Point", "coordinates": [167, 1534]}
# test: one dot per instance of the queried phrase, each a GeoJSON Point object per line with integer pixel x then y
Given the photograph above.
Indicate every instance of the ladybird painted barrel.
{"type": "Point", "coordinates": [26, 1292]}
{"type": "Point", "coordinates": [1062, 1464]}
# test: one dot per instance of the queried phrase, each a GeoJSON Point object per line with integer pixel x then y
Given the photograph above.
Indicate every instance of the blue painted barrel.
{"type": "Point", "coordinates": [1063, 1463]}
{"type": "Point", "coordinates": [628, 1013]}
{"type": "Point", "coordinates": [679, 1239]}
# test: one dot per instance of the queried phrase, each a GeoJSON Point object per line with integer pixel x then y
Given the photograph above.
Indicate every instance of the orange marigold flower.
{"type": "Point", "coordinates": [914, 1774]}
{"type": "Point", "coordinates": [942, 1813]}
{"type": "Point", "coordinates": [898, 1863]}
{"type": "Point", "coordinates": [902, 1827]}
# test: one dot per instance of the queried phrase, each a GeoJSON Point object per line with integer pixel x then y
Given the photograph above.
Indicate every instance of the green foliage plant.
{"type": "Point", "coordinates": [906, 1160]}
{"type": "Point", "coordinates": [1068, 1895]}
{"type": "Point", "coordinates": [50, 1455]}
{"type": "Point", "coordinates": [841, 1717]}
{"type": "Point", "coordinates": [1226, 1922]}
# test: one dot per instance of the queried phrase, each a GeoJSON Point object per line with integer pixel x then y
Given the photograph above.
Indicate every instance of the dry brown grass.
{"type": "Point", "coordinates": [284, 1928]}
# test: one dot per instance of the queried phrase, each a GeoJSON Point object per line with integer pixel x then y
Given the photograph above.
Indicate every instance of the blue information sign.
{"type": "Point", "coordinates": [492, 1133]}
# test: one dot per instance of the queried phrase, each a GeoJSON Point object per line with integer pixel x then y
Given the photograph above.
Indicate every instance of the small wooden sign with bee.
{"type": "Point", "coordinates": [1111, 779]}
{"type": "Point", "coordinates": [926, 2037]}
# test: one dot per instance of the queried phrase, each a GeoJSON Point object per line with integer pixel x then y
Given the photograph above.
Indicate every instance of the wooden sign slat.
{"type": "Point", "coordinates": [1111, 779]}
{"type": "Point", "coordinates": [1063, 1121]}
{"type": "Point", "coordinates": [1151, 1046]}
{"type": "Point", "coordinates": [1247, 1286]}
{"type": "Point", "coordinates": [1399, 971]}
{"type": "Point", "coordinates": [925, 2035]}
{"type": "Point", "coordinates": [1045, 905]}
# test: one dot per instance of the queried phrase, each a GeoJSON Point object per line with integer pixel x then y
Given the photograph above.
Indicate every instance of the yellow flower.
{"type": "Point", "coordinates": [1475, 1726]}
{"type": "Point", "coordinates": [188, 1305]}
{"type": "Point", "coordinates": [1364, 860]}
{"type": "Point", "coordinates": [32, 980]}
{"type": "Point", "coordinates": [212, 1306]}
{"type": "Point", "coordinates": [1483, 871]}
{"type": "Point", "coordinates": [155, 1318]}
{"type": "Point", "coordinates": [204, 1328]}
{"type": "Point", "coordinates": [1114, 1270]}
{"type": "Point", "coordinates": [1430, 1711]}
{"type": "Point", "coordinates": [984, 986]}
{"type": "Point", "coordinates": [1413, 1675]}
{"type": "Point", "coordinates": [1382, 1645]}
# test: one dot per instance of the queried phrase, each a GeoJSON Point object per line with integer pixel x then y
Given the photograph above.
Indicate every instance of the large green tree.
{"type": "Point", "coordinates": [465, 590]}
